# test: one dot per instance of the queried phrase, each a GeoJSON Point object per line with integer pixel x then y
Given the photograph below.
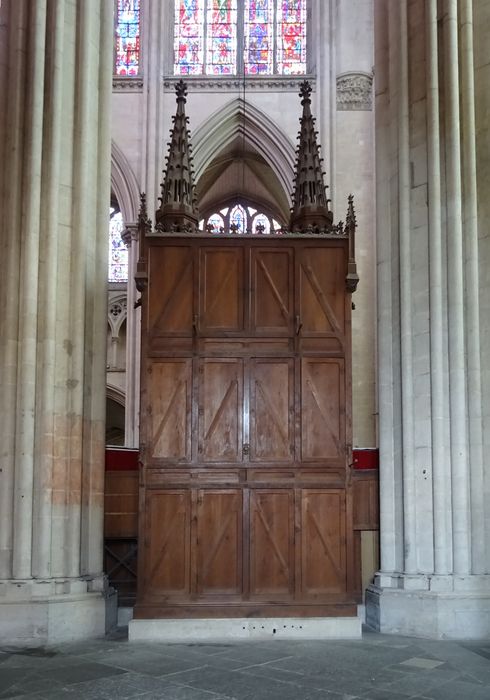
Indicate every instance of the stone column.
{"type": "Point", "coordinates": [56, 64]}
{"type": "Point", "coordinates": [434, 519]}
{"type": "Point", "coordinates": [353, 146]}
{"type": "Point", "coordinates": [133, 344]}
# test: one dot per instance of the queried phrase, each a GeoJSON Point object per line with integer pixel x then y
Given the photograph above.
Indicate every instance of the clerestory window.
{"type": "Point", "coordinates": [127, 41]}
{"type": "Point", "coordinates": [235, 37]}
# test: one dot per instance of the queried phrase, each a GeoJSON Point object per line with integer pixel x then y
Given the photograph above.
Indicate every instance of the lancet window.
{"type": "Point", "coordinates": [118, 253]}
{"type": "Point", "coordinates": [240, 218]}
{"type": "Point", "coordinates": [127, 44]}
{"type": "Point", "coordinates": [230, 37]}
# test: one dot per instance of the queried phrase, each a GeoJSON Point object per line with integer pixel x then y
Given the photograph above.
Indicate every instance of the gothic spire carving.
{"type": "Point", "coordinates": [310, 208]}
{"type": "Point", "coordinates": [352, 278]}
{"type": "Point", "coordinates": [144, 223]}
{"type": "Point", "coordinates": [178, 208]}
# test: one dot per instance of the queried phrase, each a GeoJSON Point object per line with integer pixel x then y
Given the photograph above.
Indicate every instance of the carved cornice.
{"type": "Point", "coordinates": [127, 83]}
{"type": "Point", "coordinates": [354, 92]}
{"type": "Point", "coordinates": [208, 83]}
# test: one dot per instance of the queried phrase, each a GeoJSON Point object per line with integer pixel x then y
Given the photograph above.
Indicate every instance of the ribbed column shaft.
{"type": "Point", "coordinates": [56, 173]}
{"type": "Point", "coordinates": [391, 504]}
{"type": "Point", "coordinates": [132, 348]}
{"type": "Point", "coordinates": [13, 106]}
{"type": "Point", "coordinates": [48, 263]}
{"type": "Point", "coordinates": [440, 470]}
{"type": "Point", "coordinates": [457, 371]}
{"type": "Point", "coordinates": [95, 366]}
{"type": "Point", "coordinates": [28, 293]}
{"type": "Point", "coordinates": [472, 288]}
{"type": "Point", "coordinates": [406, 298]}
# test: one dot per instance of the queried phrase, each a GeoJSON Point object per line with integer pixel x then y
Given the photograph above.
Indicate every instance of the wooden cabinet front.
{"type": "Point", "coordinates": [245, 504]}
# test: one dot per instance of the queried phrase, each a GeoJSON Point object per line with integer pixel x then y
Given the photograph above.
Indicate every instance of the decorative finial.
{"type": "Point", "coordinates": [310, 210]}
{"type": "Point", "coordinates": [350, 219]}
{"type": "Point", "coordinates": [181, 91]}
{"type": "Point", "coordinates": [178, 209]}
{"type": "Point", "coordinates": [352, 278]}
{"type": "Point", "coordinates": [143, 220]}
{"type": "Point", "coordinates": [305, 92]}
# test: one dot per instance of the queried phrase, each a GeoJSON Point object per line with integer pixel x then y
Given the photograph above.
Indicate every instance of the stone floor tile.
{"type": "Point", "coordinates": [69, 675]}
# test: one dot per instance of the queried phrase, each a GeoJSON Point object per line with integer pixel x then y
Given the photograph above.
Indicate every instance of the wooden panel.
{"type": "Point", "coordinates": [322, 409]}
{"type": "Point", "coordinates": [121, 504]}
{"type": "Point", "coordinates": [220, 410]}
{"type": "Point", "coordinates": [366, 500]}
{"type": "Point", "coordinates": [272, 291]}
{"type": "Point", "coordinates": [170, 290]}
{"type": "Point", "coordinates": [167, 560]}
{"type": "Point", "coordinates": [219, 542]}
{"type": "Point", "coordinates": [169, 407]}
{"type": "Point", "coordinates": [271, 410]}
{"type": "Point", "coordinates": [272, 543]}
{"type": "Point", "coordinates": [221, 290]}
{"type": "Point", "coordinates": [321, 277]}
{"type": "Point", "coordinates": [322, 542]}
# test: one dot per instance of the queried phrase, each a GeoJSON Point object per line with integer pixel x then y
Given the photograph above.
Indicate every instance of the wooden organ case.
{"type": "Point", "coordinates": [245, 496]}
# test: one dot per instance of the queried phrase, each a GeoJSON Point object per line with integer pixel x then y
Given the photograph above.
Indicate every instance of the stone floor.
{"type": "Point", "coordinates": [379, 667]}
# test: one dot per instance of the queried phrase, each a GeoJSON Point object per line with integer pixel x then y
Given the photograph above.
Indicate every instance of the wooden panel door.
{"type": "Point", "coordinates": [323, 560]}
{"type": "Point", "coordinates": [321, 306]}
{"type": "Point", "coordinates": [219, 542]}
{"type": "Point", "coordinates": [220, 410]}
{"type": "Point", "coordinates": [167, 546]}
{"type": "Point", "coordinates": [272, 544]}
{"type": "Point", "coordinates": [169, 408]}
{"type": "Point", "coordinates": [322, 409]}
{"type": "Point", "coordinates": [221, 290]}
{"type": "Point", "coordinates": [271, 291]}
{"type": "Point", "coordinates": [170, 305]}
{"type": "Point", "coordinates": [271, 410]}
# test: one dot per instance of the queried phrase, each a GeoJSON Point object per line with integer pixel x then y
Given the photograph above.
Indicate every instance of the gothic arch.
{"type": "Point", "coordinates": [115, 394]}
{"type": "Point", "coordinates": [124, 184]}
{"type": "Point", "coordinates": [240, 118]}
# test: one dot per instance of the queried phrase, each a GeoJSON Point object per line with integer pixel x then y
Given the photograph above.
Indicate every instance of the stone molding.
{"type": "Point", "coordinates": [127, 83]}
{"type": "Point", "coordinates": [204, 83]}
{"type": "Point", "coordinates": [130, 234]}
{"type": "Point", "coordinates": [354, 92]}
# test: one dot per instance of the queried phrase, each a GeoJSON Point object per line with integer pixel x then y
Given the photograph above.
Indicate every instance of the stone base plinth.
{"type": "Point", "coordinates": [36, 613]}
{"type": "Point", "coordinates": [460, 613]}
{"type": "Point", "coordinates": [216, 629]}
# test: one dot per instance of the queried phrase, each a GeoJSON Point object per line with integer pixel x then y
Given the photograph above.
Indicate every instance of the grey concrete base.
{"type": "Point", "coordinates": [176, 630]}
{"type": "Point", "coordinates": [52, 620]}
{"type": "Point", "coordinates": [429, 614]}
{"type": "Point", "coordinates": [124, 615]}
{"type": "Point", "coordinates": [111, 610]}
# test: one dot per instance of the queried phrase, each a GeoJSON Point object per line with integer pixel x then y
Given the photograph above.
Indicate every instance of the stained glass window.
{"type": "Point", "coordinates": [291, 37]}
{"type": "Point", "coordinates": [240, 218]}
{"type": "Point", "coordinates": [273, 39]}
{"type": "Point", "coordinates": [216, 221]}
{"type": "Point", "coordinates": [189, 37]}
{"type": "Point", "coordinates": [259, 37]}
{"type": "Point", "coordinates": [221, 37]}
{"type": "Point", "coordinates": [118, 253]}
{"type": "Point", "coordinates": [128, 37]}
{"type": "Point", "coordinates": [261, 224]}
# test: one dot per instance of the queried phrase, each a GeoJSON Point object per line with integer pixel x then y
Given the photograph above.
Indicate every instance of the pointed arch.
{"type": "Point", "coordinates": [240, 118]}
{"type": "Point", "coordinates": [124, 185]}
{"type": "Point", "coordinates": [115, 394]}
